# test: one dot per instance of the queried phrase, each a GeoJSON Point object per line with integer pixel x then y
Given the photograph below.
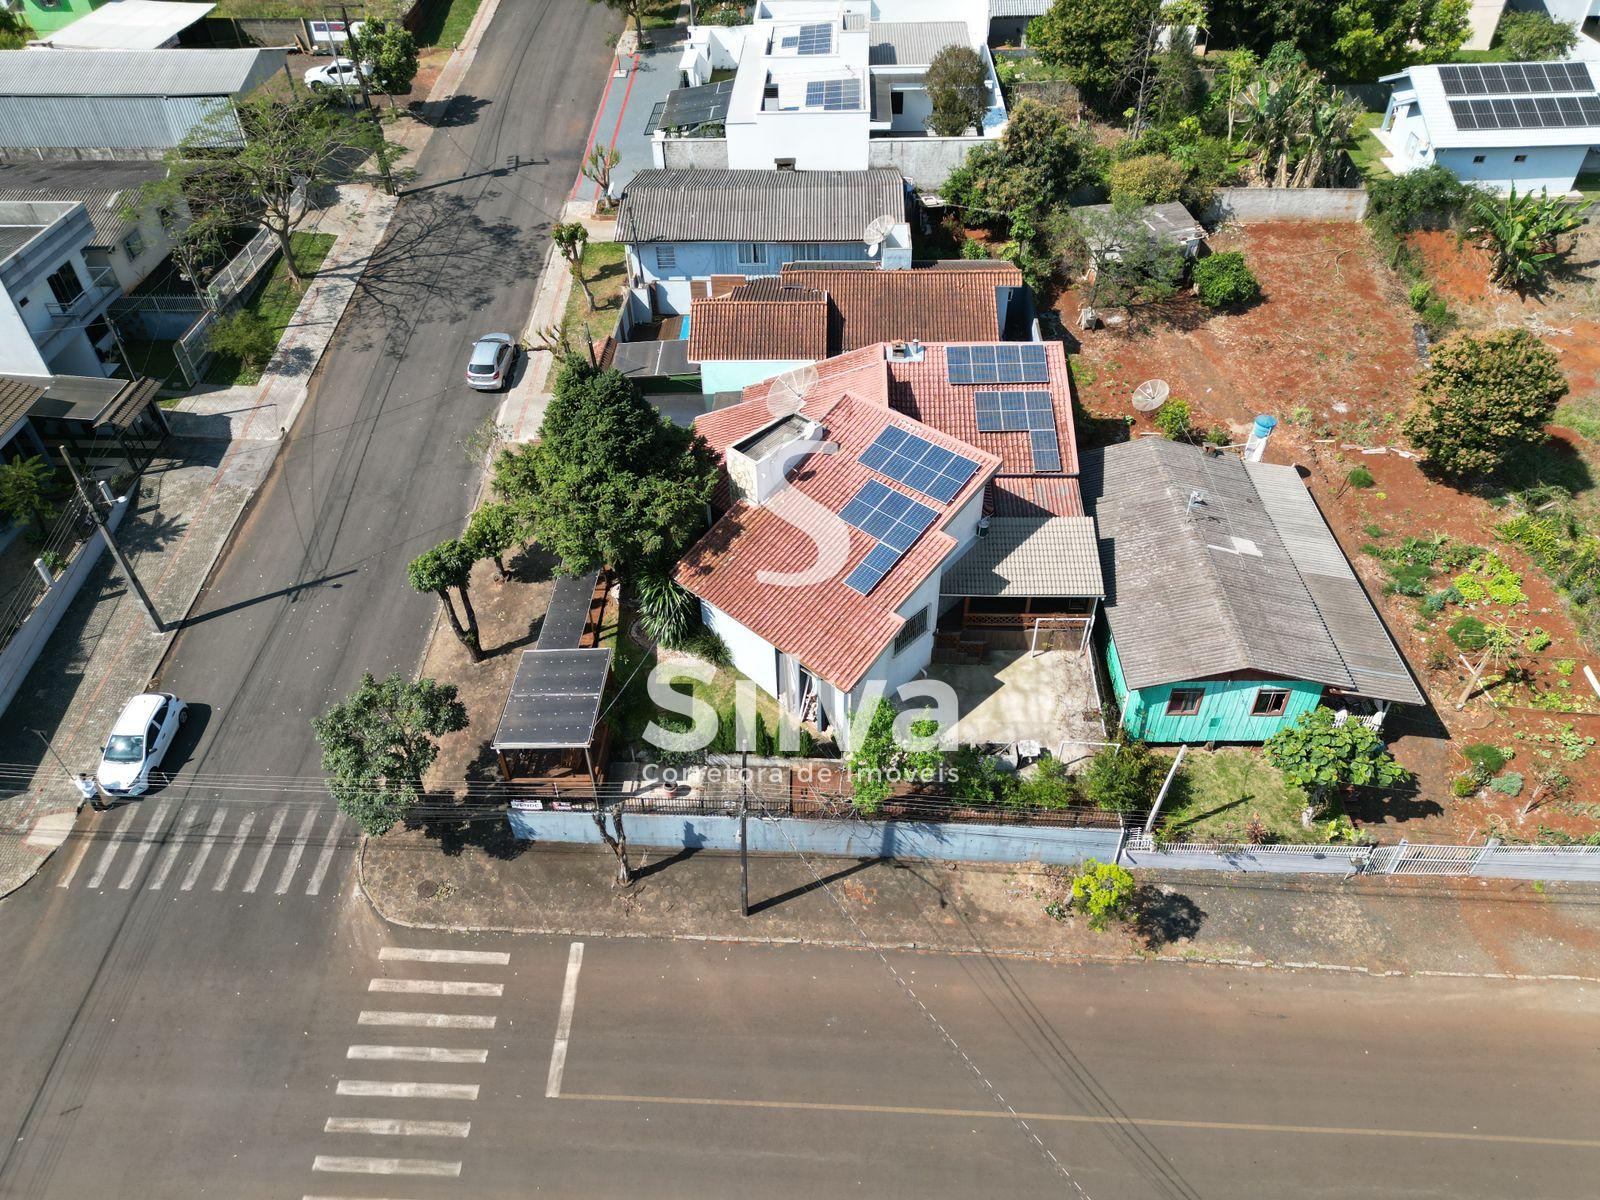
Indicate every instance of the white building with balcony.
{"type": "Point", "coordinates": [52, 301]}
{"type": "Point", "coordinates": [815, 82]}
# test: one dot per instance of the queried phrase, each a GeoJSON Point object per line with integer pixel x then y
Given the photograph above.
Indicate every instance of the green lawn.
{"type": "Point", "coordinates": [276, 301]}
{"type": "Point", "coordinates": [307, 9]}
{"type": "Point", "coordinates": [445, 24]}
{"type": "Point", "coordinates": [1219, 791]}
{"type": "Point", "coordinates": [605, 267]}
{"type": "Point", "coordinates": [1589, 185]}
{"type": "Point", "coordinates": [660, 14]}
{"type": "Point", "coordinates": [153, 360]}
{"type": "Point", "coordinates": [1368, 152]}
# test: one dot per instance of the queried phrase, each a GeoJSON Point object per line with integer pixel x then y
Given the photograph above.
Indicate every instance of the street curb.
{"type": "Point", "coordinates": [1063, 959]}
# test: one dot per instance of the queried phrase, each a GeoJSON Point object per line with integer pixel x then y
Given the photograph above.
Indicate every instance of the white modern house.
{"type": "Point", "coordinates": [814, 82]}
{"type": "Point", "coordinates": [682, 229]}
{"type": "Point", "coordinates": [52, 301]}
{"type": "Point", "coordinates": [1527, 125]}
{"type": "Point", "coordinates": [1483, 18]}
{"type": "Point", "coordinates": [130, 245]}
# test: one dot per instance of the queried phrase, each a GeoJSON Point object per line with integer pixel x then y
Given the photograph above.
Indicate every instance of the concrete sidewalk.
{"type": "Point", "coordinates": [478, 878]}
{"type": "Point", "coordinates": [104, 650]}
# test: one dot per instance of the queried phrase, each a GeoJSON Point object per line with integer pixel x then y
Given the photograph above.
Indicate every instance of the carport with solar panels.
{"type": "Point", "coordinates": [552, 739]}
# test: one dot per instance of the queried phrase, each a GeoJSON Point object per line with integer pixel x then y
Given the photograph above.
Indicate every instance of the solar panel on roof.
{"type": "Point", "coordinates": [1046, 448]}
{"type": "Point", "coordinates": [1005, 362]}
{"type": "Point", "coordinates": [870, 571]}
{"type": "Point", "coordinates": [887, 516]}
{"type": "Point", "coordinates": [1514, 79]}
{"type": "Point", "coordinates": [833, 95]}
{"type": "Point", "coordinates": [554, 700]}
{"type": "Point", "coordinates": [1558, 112]}
{"type": "Point", "coordinates": [813, 39]}
{"type": "Point", "coordinates": [1013, 412]}
{"type": "Point", "coordinates": [918, 463]}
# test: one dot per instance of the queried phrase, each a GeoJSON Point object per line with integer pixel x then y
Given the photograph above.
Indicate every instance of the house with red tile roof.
{"type": "Point", "coordinates": [887, 500]}
{"type": "Point", "coordinates": [762, 327]}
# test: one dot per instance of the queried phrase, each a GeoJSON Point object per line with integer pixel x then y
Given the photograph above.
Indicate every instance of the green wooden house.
{"type": "Point", "coordinates": [1230, 608]}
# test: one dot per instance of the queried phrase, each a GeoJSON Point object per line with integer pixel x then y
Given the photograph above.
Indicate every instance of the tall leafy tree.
{"type": "Point", "coordinates": [1523, 233]}
{"type": "Point", "coordinates": [1484, 400]}
{"type": "Point", "coordinates": [1028, 172]}
{"type": "Point", "coordinates": [1530, 36]}
{"type": "Point", "coordinates": [379, 742]}
{"type": "Point", "coordinates": [493, 530]}
{"type": "Point", "coordinates": [610, 482]}
{"type": "Point", "coordinates": [1353, 40]}
{"type": "Point", "coordinates": [290, 150]}
{"type": "Point", "coordinates": [449, 565]}
{"type": "Point", "coordinates": [1132, 265]}
{"type": "Point", "coordinates": [391, 52]}
{"type": "Point", "coordinates": [958, 88]}
{"type": "Point", "coordinates": [1096, 43]}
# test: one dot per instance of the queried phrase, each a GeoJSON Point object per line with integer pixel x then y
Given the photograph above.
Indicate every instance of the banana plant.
{"type": "Point", "coordinates": [1522, 234]}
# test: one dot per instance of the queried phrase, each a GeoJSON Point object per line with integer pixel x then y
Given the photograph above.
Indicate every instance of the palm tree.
{"type": "Point", "coordinates": [1522, 233]}
{"type": "Point", "coordinates": [1329, 118]}
{"type": "Point", "coordinates": [571, 237]}
{"type": "Point", "coordinates": [1272, 120]}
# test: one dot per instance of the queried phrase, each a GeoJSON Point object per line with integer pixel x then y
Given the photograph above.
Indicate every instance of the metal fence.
{"type": "Point", "coordinates": [226, 285]}
{"type": "Point", "coordinates": [72, 527]}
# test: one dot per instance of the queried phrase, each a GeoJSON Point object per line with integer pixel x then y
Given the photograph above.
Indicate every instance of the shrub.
{"type": "Point", "coordinates": [1048, 787]}
{"type": "Point", "coordinates": [1124, 777]}
{"type": "Point", "coordinates": [1373, 531]}
{"type": "Point", "coordinates": [975, 776]}
{"type": "Point", "coordinates": [668, 611]}
{"type": "Point", "coordinates": [1224, 280]}
{"type": "Point", "coordinates": [708, 644]}
{"type": "Point", "coordinates": [1484, 400]}
{"type": "Point", "coordinates": [1359, 477]}
{"type": "Point", "coordinates": [1316, 753]}
{"type": "Point", "coordinates": [972, 248]}
{"type": "Point", "coordinates": [1485, 759]}
{"type": "Point", "coordinates": [957, 86]}
{"type": "Point", "coordinates": [1103, 893]}
{"type": "Point", "coordinates": [1172, 418]}
{"type": "Point", "coordinates": [1468, 633]}
{"type": "Point", "coordinates": [1465, 785]}
{"type": "Point", "coordinates": [1509, 784]}
{"type": "Point", "coordinates": [1420, 294]}
{"type": "Point", "coordinates": [1256, 831]}
{"type": "Point", "coordinates": [1538, 640]}
{"type": "Point", "coordinates": [1566, 666]}
{"type": "Point", "coordinates": [1148, 179]}
{"type": "Point", "coordinates": [246, 335]}
{"type": "Point", "coordinates": [1533, 36]}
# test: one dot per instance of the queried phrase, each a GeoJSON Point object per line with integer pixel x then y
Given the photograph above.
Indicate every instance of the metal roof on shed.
{"type": "Point", "coordinates": [174, 72]}
{"type": "Point", "coordinates": [912, 43]}
{"type": "Point", "coordinates": [555, 700]}
{"type": "Point", "coordinates": [758, 206]}
{"type": "Point", "coordinates": [129, 25]}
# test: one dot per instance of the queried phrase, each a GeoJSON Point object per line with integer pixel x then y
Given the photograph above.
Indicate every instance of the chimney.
{"type": "Point", "coordinates": [758, 465]}
{"type": "Point", "coordinates": [1256, 445]}
{"type": "Point", "coordinates": [903, 351]}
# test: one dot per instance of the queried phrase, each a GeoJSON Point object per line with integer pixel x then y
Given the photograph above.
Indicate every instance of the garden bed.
{"type": "Point", "coordinates": [276, 303]}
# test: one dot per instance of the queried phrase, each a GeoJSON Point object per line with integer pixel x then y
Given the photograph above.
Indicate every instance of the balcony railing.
{"type": "Point", "coordinates": [102, 286]}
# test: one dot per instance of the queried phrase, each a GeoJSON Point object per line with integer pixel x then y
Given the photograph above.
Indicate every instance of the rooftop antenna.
{"type": "Point", "coordinates": [790, 389]}
{"type": "Point", "coordinates": [1197, 499]}
{"type": "Point", "coordinates": [877, 232]}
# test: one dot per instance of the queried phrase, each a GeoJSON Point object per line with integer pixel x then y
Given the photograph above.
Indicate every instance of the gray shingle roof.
{"type": "Point", "coordinates": [1206, 588]}
{"type": "Point", "coordinates": [912, 43]}
{"type": "Point", "coordinates": [167, 72]}
{"type": "Point", "coordinates": [757, 206]}
{"type": "Point", "coordinates": [1029, 556]}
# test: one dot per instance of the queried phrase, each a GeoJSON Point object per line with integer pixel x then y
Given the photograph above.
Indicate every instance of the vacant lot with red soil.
{"type": "Point", "coordinates": [1329, 350]}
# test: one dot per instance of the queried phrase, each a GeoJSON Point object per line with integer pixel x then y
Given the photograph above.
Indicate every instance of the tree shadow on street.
{"type": "Point", "coordinates": [1163, 917]}
{"type": "Point", "coordinates": [478, 828]}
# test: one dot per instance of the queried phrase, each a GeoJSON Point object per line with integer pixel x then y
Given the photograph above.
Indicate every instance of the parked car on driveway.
{"type": "Point", "coordinates": [340, 75]}
{"type": "Point", "coordinates": [138, 742]}
{"type": "Point", "coordinates": [489, 367]}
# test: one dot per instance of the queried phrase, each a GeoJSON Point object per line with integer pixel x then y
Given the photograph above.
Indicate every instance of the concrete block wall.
{"type": "Point", "coordinates": [1286, 204]}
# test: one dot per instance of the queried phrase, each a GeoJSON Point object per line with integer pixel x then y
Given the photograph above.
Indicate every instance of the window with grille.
{"type": "Point", "coordinates": [666, 258]}
{"type": "Point", "coordinates": [915, 627]}
{"type": "Point", "coordinates": [752, 254]}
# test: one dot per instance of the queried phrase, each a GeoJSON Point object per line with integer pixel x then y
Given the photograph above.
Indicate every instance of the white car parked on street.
{"type": "Point", "coordinates": [138, 741]}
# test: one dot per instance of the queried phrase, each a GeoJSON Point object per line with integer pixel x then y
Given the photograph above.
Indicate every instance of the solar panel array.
{"type": "Point", "coordinates": [809, 40]}
{"type": "Point", "coordinates": [1014, 412]}
{"type": "Point", "coordinates": [554, 701]}
{"type": "Point", "coordinates": [918, 463]}
{"type": "Point", "coordinates": [895, 520]}
{"type": "Point", "coordinates": [833, 95]}
{"type": "Point", "coordinates": [1046, 447]}
{"type": "Point", "coordinates": [1006, 362]}
{"type": "Point", "coordinates": [1527, 112]}
{"type": "Point", "coordinates": [1515, 79]}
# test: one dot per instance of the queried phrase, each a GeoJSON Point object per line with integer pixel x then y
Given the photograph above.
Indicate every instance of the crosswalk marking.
{"type": "Point", "coordinates": [112, 844]}
{"type": "Point", "coordinates": [328, 845]}
{"type": "Point", "coordinates": [436, 987]}
{"type": "Point", "coordinates": [258, 868]}
{"type": "Point", "coordinates": [410, 954]}
{"type": "Point", "coordinates": [407, 1090]}
{"type": "Point", "coordinates": [426, 1020]}
{"type": "Point", "coordinates": [210, 840]}
{"type": "Point", "coordinates": [433, 1054]}
{"type": "Point", "coordinates": [388, 1127]}
{"type": "Point", "coordinates": [296, 849]}
{"type": "Point", "coordinates": [386, 1166]}
{"type": "Point", "coordinates": [146, 843]}
{"type": "Point", "coordinates": [233, 851]}
{"type": "Point", "coordinates": [169, 856]}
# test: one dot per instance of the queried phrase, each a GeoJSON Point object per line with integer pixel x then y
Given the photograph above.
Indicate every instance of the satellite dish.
{"type": "Point", "coordinates": [878, 231]}
{"type": "Point", "coordinates": [1151, 395]}
{"type": "Point", "coordinates": [790, 389]}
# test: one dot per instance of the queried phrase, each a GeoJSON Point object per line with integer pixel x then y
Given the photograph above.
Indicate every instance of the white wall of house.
{"type": "Point", "coordinates": [138, 251]}
{"type": "Point", "coordinates": [701, 260]}
{"type": "Point", "coordinates": [735, 376]}
{"type": "Point", "coordinates": [18, 354]}
{"type": "Point", "coordinates": [816, 141]}
{"type": "Point", "coordinates": [753, 655]}
{"type": "Point", "coordinates": [56, 351]}
{"type": "Point", "coordinates": [1542, 168]}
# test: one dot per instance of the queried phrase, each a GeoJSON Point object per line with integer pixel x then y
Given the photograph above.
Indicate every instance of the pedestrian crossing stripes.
{"type": "Point", "coordinates": [167, 845]}
{"type": "Point", "coordinates": [411, 1108]}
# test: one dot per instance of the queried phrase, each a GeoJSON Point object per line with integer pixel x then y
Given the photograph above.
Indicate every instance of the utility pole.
{"type": "Point", "coordinates": [744, 842]}
{"type": "Point", "coordinates": [57, 757]}
{"type": "Point", "coordinates": [111, 544]}
{"type": "Point", "coordinates": [366, 100]}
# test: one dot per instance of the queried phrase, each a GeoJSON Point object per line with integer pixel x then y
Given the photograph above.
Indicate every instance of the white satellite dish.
{"type": "Point", "coordinates": [1151, 395]}
{"type": "Point", "coordinates": [790, 389]}
{"type": "Point", "coordinates": [878, 231]}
